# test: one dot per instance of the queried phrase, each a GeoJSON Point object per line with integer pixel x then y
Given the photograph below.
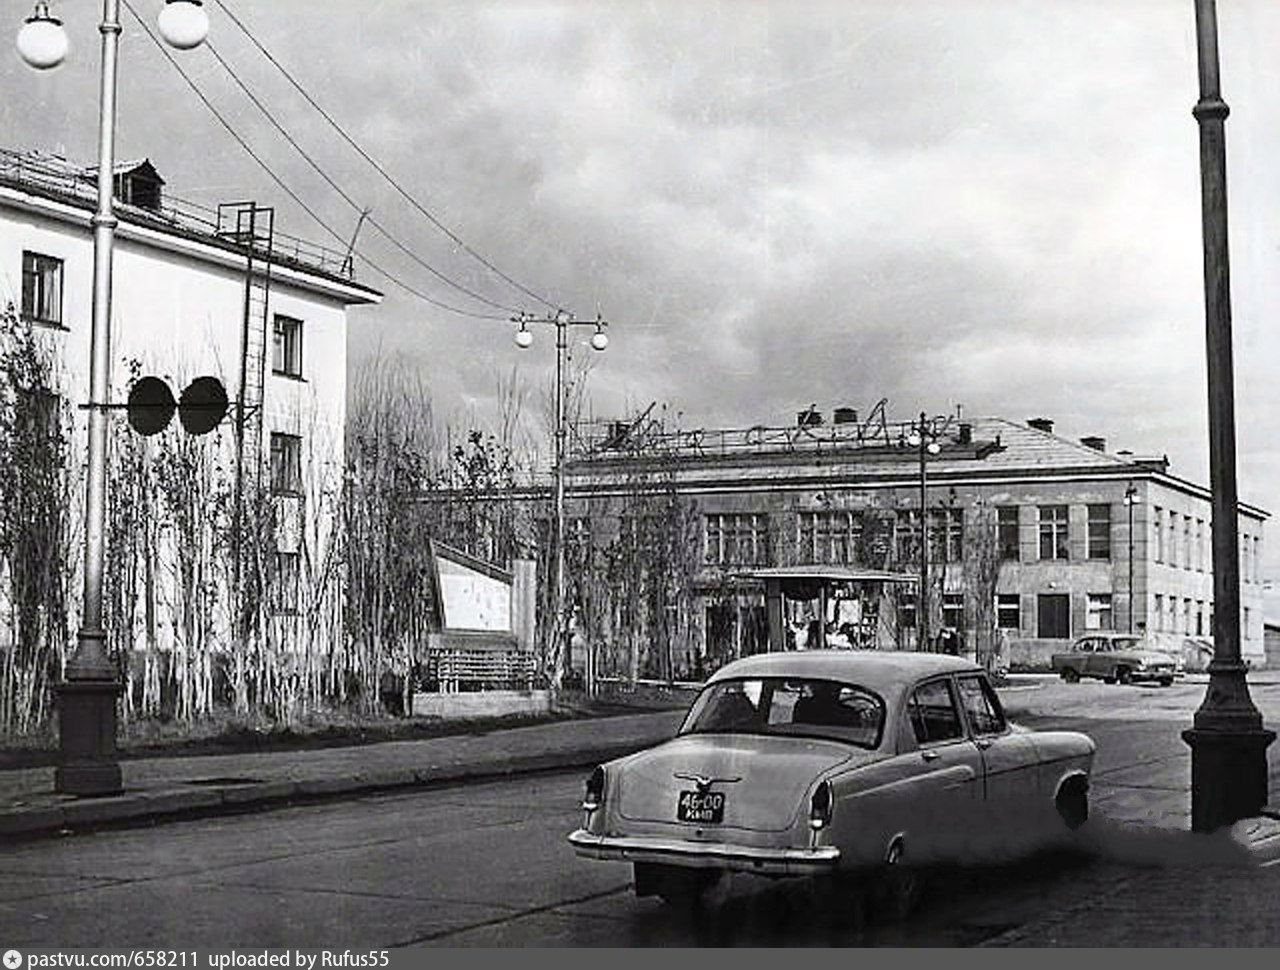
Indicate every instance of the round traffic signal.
{"type": "Point", "coordinates": [150, 406]}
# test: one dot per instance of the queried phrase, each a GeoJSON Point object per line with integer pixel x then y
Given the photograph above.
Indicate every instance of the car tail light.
{"type": "Point", "coordinates": [594, 796]}
{"type": "Point", "coordinates": [820, 807]}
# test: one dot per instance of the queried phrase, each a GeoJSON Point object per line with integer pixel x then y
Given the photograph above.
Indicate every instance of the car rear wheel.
{"type": "Point", "coordinates": [1123, 675]}
{"type": "Point", "coordinates": [1166, 681]}
{"type": "Point", "coordinates": [1069, 675]}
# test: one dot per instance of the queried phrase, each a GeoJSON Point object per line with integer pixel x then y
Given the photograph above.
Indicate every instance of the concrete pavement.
{"type": "Point", "coordinates": [1197, 889]}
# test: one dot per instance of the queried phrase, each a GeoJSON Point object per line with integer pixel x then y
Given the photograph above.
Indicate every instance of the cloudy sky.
{"type": "Point", "coordinates": [987, 203]}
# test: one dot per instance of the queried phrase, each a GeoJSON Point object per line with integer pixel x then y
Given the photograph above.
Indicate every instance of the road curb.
{"type": "Point", "coordinates": [198, 799]}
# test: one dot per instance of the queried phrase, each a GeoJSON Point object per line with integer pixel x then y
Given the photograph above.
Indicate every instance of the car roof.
{"type": "Point", "coordinates": [877, 669]}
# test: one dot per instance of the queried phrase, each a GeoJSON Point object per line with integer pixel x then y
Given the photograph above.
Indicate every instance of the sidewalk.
{"type": "Point", "coordinates": [157, 788]}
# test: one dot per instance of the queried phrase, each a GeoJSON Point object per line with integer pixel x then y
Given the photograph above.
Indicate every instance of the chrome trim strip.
{"type": "Point", "coordinates": [706, 855]}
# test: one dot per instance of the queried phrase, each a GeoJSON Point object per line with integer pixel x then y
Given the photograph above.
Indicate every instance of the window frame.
{"type": "Point", "coordinates": [1101, 606]}
{"type": "Point", "coordinates": [725, 536]}
{"type": "Point", "coordinates": [1098, 531]}
{"type": "Point", "coordinates": [286, 346]}
{"type": "Point", "coordinates": [988, 694]}
{"type": "Point", "coordinates": [36, 275]}
{"type": "Point", "coordinates": [1015, 606]}
{"type": "Point", "coordinates": [1008, 541]}
{"type": "Point", "coordinates": [1055, 529]}
{"type": "Point", "coordinates": [291, 462]}
{"type": "Point", "coordinates": [962, 729]}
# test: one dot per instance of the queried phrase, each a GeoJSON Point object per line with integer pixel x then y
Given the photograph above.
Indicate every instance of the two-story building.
{"type": "Point", "coordinates": [197, 292]}
{"type": "Point", "coordinates": [1080, 538]}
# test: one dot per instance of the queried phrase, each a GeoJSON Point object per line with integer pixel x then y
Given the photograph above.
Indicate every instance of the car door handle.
{"type": "Point", "coordinates": [930, 755]}
{"type": "Point", "coordinates": [983, 743]}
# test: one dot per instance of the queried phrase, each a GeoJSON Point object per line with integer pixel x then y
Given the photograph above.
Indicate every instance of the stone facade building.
{"type": "Point", "coordinates": [1063, 535]}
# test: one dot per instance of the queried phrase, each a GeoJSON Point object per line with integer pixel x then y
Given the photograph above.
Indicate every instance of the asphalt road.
{"type": "Point", "coordinates": [477, 865]}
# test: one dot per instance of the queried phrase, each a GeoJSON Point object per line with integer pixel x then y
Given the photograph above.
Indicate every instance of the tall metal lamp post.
{"type": "Point", "coordinates": [920, 438]}
{"type": "Point", "coordinates": [1131, 498]}
{"type": "Point", "coordinates": [1227, 739]}
{"type": "Point", "coordinates": [91, 687]}
{"type": "Point", "coordinates": [562, 320]}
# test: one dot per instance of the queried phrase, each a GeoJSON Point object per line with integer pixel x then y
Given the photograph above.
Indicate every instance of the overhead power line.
{"type": "Point", "coordinates": [447, 280]}
{"type": "Point", "coordinates": [404, 193]}
{"type": "Point", "coordinates": [288, 191]}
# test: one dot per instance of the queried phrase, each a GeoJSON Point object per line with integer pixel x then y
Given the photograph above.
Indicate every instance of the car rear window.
{"type": "Point", "coordinates": [789, 706]}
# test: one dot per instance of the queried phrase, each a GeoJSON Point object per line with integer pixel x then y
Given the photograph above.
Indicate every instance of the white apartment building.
{"type": "Point", "coordinates": [188, 289]}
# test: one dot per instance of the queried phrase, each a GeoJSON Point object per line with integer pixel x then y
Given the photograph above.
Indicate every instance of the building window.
{"type": "Point", "coordinates": [42, 289]}
{"type": "Point", "coordinates": [1186, 615]}
{"type": "Point", "coordinates": [1097, 613]}
{"type": "Point", "coordinates": [1199, 618]}
{"type": "Point", "coordinates": [286, 464]}
{"type": "Point", "coordinates": [1159, 611]}
{"type": "Point", "coordinates": [1159, 521]}
{"type": "Point", "coordinates": [907, 612]}
{"type": "Point", "coordinates": [830, 536]}
{"type": "Point", "coordinates": [736, 539]}
{"type": "Point", "coordinates": [1009, 611]}
{"type": "Point", "coordinates": [1245, 629]}
{"type": "Point", "coordinates": [953, 610]}
{"type": "Point", "coordinates": [1007, 532]}
{"type": "Point", "coordinates": [284, 591]}
{"type": "Point", "coordinates": [1186, 542]}
{"type": "Point", "coordinates": [1098, 538]}
{"type": "Point", "coordinates": [1200, 545]}
{"type": "Point", "coordinates": [1053, 616]}
{"type": "Point", "coordinates": [907, 535]}
{"type": "Point", "coordinates": [1053, 532]}
{"type": "Point", "coordinates": [947, 526]}
{"type": "Point", "coordinates": [286, 348]}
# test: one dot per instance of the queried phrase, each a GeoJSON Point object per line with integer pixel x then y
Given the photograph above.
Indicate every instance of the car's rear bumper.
{"type": "Point", "coordinates": [706, 855]}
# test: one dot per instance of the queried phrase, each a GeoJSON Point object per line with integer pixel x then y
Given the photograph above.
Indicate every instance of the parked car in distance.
{"type": "Point", "coordinates": [1117, 658]}
{"type": "Point", "coordinates": [855, 766]}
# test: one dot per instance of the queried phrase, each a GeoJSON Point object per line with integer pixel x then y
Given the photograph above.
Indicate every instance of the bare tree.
{"type": "Point", "coordinates": [35, 495]}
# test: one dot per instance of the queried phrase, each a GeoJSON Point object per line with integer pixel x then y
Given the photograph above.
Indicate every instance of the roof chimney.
{"type": "Point", "coordinates": [1094, 442]}
{"type": "Point", "coordinates": [1041, 424]}
{"type": "Point", "coordinates": [966, 434]}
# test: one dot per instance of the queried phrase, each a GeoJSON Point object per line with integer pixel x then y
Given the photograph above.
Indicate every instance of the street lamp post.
{"type": "Point", "coordinates": [1228, 742]}
{"type": "Point", "coordinates": [1131, 498]}
{"type": "Point", "coordinates": [919, 439]}
{"type": "Point", "coordinates": [91, 687]}
{"type": "Point", "coordinates": [562, 321]}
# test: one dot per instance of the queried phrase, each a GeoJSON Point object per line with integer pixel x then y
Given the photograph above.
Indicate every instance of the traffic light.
{"type": "Point", "coordinates": [201, 407]}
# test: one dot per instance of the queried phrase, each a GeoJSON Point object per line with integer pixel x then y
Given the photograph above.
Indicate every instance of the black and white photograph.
{"type": "Point", "coordinates": [636, 473]}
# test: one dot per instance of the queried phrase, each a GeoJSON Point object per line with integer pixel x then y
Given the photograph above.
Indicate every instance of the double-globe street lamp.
{"type": "Point", "coordinates": [562, 321]}
{"type": "Point", "coordinates": [923, 438]}
{"type": "Point", "coordinates": [1227, 739]}
{"type": "Point", "coordinates": [91, 687]}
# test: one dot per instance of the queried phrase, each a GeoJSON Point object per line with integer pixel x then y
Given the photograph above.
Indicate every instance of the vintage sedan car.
{"type": "Point", "coordinates": [834, 763]}
{"type": "Point", "coordinates": [1117, 658]}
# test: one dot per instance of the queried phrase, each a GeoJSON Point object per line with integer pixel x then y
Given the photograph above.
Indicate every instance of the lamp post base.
{"type": "Point", "coordinates": [87, 763]}
{"type": "Point", "coordinates": [1228, 752]}
{"type": "Point", "coordinates": [1228, 775]}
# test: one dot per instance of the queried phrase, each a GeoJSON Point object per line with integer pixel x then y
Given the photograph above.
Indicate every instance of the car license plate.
{"type": "Point", "coordinates": [700, 807]}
